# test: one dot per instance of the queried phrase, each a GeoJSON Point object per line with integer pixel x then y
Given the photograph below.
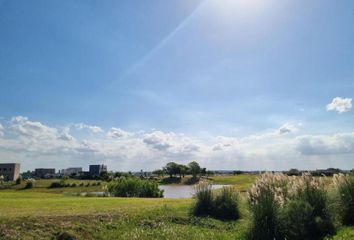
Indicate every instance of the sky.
{"type": "Point", "coordinates": [232, 84]}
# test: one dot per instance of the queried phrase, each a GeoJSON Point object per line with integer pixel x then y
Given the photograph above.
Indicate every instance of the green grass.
{"type": "Point", "coordinates": [35, 215]}
{"type": "Point", "coordinates": [242, 182]}
{"type": "Point", "coordinates": [43, 213]}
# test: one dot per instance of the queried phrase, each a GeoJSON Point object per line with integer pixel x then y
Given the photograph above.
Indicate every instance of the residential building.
{"type": "Point", "coordinates": [96, 170]}
{"type": "Point", "coordinates": [44, 172]}
{"type": "Point", "coordinates": [70, 171]}
{"type": "Point", "coordinates": [10, 171]}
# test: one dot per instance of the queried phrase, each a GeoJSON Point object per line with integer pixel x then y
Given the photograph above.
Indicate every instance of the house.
{"type": "Point", "coordinates": [10, 171]}
{"type": "Point", "coordinates": [96, 170]}
{"type": "Point", "coordinates": [44, 172]}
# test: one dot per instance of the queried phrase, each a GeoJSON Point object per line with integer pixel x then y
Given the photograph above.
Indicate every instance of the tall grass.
{"type": "Point", "coordinates": [344, 186]}
{"type": "Point", "coordinates": [221, 205]}
{"type": "Point", "coordinates": [204, 200]}
{"type": "Point", "coordinates": [134, 187]}
{"type": "Point", "coordinates": [226, 204]}
{"type": "Point", "coordinates": [265, 216]}
{"type": "Point", "coordinates": [286, 207]}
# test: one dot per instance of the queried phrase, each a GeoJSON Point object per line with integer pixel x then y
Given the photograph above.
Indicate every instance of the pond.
{"type": "Point", "coordinates": [182, 191]}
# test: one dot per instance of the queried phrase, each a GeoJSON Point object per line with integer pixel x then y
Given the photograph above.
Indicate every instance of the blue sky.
{"type": "Point", "coordinates": [206, 69]}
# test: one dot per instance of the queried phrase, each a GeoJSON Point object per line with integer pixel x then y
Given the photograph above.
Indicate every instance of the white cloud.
{"type": "Point", "coordinates": [93, 129]}
{"type": "Point", "coordinates": [1, 130]}
{"type": "Point", "coordinates": [340, 105]}
{"type": "Point", "coordinates": [158, 140]}
{"type": "Point", "coordinates": [117, 133]}
{"type": "Point", "coordinates": [65, 135]}
{"type": "Point", "coordinates": [35, 144]}
{"type": "Point", "coordinates": [326, 144]}
{"type": "Point", "coordinates": [23, 127]}
{"type": "Point", "coordinates": [287, 128]}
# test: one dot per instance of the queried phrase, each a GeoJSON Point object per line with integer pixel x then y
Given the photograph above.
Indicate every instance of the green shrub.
{"type": "Point", "coordinates": [73, 185]}
{"type": "Point", "coordinates": [29, 184]}
{"type": "Point", "coordinates": [56, 185]}
{"type": "Point", "coordinates": [344, 186]}
{"type": "Point", "coordinates": [222, 205]}
{"type": "Point", "coordinates": [265, 217]}
{"type": "Point", "coordinates": [296, 219]}
{"type": "Point", "coordinates": [204, 200]}
{"type": "Point", "coordinates": [81, 184]}
{"type": "Point", "coordinates": [278, 200]}
{"type": "Point", "coordinates": [19, 180]}
{"type": "Point", "coordinates": [134, 187]}
{"type": "Point", "coordinates": [225, 204]}
{"type": "Point", "coordinates": [314, 193]}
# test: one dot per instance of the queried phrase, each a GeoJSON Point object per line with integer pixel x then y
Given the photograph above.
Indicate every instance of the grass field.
{"type": "Point", "coordinates": [43, 213]}
{"type": "Point", "coordinates": [242, 182]}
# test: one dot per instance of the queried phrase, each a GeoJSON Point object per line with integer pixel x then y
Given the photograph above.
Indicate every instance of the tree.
{"type": "Point", "coordinates": [19, 180]}
{"type": "Point", "coordinates": [172, 168]}
{"type": "Point", "coordinates": [1, 180]}
{"type": "Point", "coordinates": [194, 168]}
{"type": "Point", "coordinates": [183, 170]}
{"type": "Point", "coordinates": [209, 173]}
{"type": "Point", "coordinates": [159, 172]}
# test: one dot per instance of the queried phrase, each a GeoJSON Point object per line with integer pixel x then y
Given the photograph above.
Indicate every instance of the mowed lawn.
{"type": "Point", "coordinates": [40, 215]}
{"type": "Point", "coordinates": [24, 204]}
{"type": "Point", "coordinates": [242, 182]}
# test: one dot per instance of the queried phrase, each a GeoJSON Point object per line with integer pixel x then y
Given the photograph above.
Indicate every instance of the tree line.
{"type": "Point", "coordinates": [173, 169]}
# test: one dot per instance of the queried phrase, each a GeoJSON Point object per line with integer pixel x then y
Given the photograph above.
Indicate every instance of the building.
{"type": "Point", "coordinates": [96, 170]}
{"type": "Point", "coordinates": [71, 171]}
{"type": "Point", "coordinates": [10, 171]}
{"type": "Point", "coordinates": [44, 172]}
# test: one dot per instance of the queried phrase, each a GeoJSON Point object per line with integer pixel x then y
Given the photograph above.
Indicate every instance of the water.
{"type": "Point", "coordinates": [181, 191]}
{"type": "Point", "coordinates": [170, 191]}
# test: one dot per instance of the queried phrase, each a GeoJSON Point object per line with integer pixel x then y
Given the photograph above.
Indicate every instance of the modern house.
{"type": "Point", "coordinates": [96, 170]}
{"type": "Point", "coordinates": [10, 171]}
{"type": "Point", "coordinates": [44, 172]}
{"type": "Point", "coordinates": [71, 171]}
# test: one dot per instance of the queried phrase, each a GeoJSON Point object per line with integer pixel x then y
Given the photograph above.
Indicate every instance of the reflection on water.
{"type": "Point", "coordinates": [181, 191]}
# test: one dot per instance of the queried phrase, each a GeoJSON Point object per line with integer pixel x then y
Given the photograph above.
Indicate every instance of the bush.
{"type": "Point", "coordinates": [344, 186]}
{"type": "Point", "coordinates": [222, 205]}
{"type": "Point", "coordinates": [226, 204]}
{"type": "Point", "coordinates": [73, 185]}
{"type": "Point", "coordinates": [265, 217]}
{"type": "Point", "coordinates": [29, 184]}
{"type": "Point", "coordinates": [81, 184]}
{"type": "Point", "coordinates": [277, 201]}
{"type": "Point", "coordinates": [56, 185]}
{"type": "Point", "coordinates": [204, 200]}
{"type": "Point", "coordinates": [296, 219]}
{"type": "Point", "coordinates": [19, 180]}
{"type": "Point", "coordinates": [134, 187]}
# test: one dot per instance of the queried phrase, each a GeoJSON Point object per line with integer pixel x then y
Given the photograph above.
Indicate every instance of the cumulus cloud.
{"type": "Point", "coordinates": [65, 135]}
{"type": "Point", "coordinates": [326, 144]}
{"type": "Point", "coordinates": [24, 127]}
{"type": "Point", "coordinates": [340, 105]}
{"type": "Point", "coordinates": [117, 133]}
{"type": "Point", "coordinates": [158, 140]}
{"type": "Point", "coordinates": [91, 128]}
{"type": "Point", "coordinates": [1, 130]}
{"type": "Point", "coordinates": [287, 128]}
{"type": "Point", "coordinates": [36, 144]}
